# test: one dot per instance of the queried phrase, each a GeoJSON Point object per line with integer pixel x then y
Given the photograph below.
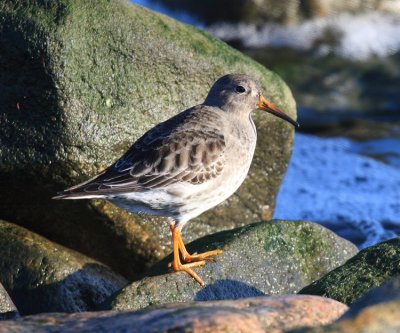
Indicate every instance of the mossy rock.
{"type": "Point", "coordinates": [80, 81]}
{"type": "Point", "coordinates": [269, 257]}
{"type": "Point", "coordinates": [368, 269]}
{"type": "Point", "coordinates": [42, 276]}
{"type": "Point", "coordinates": [387, 292]}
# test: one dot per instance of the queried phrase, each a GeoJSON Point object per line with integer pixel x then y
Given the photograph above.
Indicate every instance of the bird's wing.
{"type": "Point", "coordinates": [165, 155]}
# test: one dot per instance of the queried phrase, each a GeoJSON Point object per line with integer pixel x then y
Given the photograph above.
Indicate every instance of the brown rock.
{"type": "Point", "coordinates": [252, 315]}
{"type": "Point", "coordinates": [380, 318]}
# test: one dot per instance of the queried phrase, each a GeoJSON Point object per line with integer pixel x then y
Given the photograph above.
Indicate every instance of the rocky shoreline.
{"type": "Point", "coordinates": [274, 276]}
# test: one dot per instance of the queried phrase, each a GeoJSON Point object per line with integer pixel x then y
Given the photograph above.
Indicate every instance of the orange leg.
{"type": "Point", "coordinates": [190, 260]}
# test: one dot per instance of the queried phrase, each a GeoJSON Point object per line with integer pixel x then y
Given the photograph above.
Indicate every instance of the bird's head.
{"type": "Point", "coordinates": [240, 93]}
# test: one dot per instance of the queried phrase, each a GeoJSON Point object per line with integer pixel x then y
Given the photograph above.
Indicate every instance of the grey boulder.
{"type": "Point", "coordinates": [265, 258]}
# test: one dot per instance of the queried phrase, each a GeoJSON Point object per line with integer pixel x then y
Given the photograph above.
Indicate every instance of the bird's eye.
{"type": "Point", "coordinates": [240, 89]}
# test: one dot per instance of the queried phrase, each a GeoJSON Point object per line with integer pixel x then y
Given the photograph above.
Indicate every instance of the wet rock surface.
{"type": "Point", "coordinates": [271, 257]}
{"type": "Point", "coordinates": [42, 276]}
{"type": "Point", "coordinates": [366, 270]}
{"type": "Point", "coordinates": [80, 82]}
{"type": "Point", "coordinates": [261, 314]}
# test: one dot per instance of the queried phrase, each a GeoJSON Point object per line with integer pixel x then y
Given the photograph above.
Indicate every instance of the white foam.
{"type": "Point", "coordinates": [356, 36]}
{"type": "Point", "coordinates": [329, 182]}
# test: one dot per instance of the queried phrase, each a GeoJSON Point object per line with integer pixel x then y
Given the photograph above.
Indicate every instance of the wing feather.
{"type": "Point", "coordinates": [165, 155]}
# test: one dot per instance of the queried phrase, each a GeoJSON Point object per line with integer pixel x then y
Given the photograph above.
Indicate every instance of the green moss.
{"type": "Point", "coordinates": [368, 269]}
{"type": "Point", "coordinates": [46, 14]}
{"type": "Point", "coordinates": [274, 242]}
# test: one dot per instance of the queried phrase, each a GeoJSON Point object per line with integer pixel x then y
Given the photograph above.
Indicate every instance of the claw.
{"type": "Point", "coordinates": [190, 260]}
{"type": "Point", "coordinates": [201, 256]}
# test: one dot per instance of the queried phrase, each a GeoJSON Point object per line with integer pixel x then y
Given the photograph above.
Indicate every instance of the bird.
{"type": "Point", "coordinates": [187, 164]}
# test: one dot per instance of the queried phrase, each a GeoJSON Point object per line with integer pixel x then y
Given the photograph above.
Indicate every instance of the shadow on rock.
{"type": "Point", "coordinates": [80, 291]}
{"type": "Point", "coordinates": [227, 289]}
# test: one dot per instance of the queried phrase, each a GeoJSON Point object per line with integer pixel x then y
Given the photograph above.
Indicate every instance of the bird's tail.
{"type": "Point", "coordinates": [75, 196]}
{"type": "Point", "coordinates": [81, 191]}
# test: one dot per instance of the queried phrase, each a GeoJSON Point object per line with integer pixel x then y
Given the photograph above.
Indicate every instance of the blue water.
{"type": "Point", "coordinates": [337, 183]}
{"type": "Point", "coordinates": [178, 15]}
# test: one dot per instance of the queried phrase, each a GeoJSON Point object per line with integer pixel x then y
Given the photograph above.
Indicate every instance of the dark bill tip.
{"type": "Point", "coordinates": [279, 113]}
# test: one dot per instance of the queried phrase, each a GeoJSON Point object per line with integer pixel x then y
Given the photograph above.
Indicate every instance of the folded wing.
{"type": "Point", "coordinates": [165, 155]}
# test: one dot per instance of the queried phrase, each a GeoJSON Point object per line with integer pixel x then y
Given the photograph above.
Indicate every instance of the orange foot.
{"type": "Point", "coordinates": [191, 260]}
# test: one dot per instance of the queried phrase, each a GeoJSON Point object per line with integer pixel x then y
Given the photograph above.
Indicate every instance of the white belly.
{"type": "Point", "coordinates": [206, 196]}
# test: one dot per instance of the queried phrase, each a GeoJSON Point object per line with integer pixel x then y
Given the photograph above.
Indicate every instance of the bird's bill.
{"type": "Point", "coordinates": [266, 105]}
